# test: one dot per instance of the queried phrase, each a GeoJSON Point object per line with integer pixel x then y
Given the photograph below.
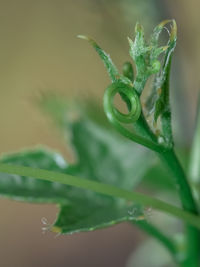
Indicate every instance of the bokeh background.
{"type": "Point", "coordinates": [39, 52]}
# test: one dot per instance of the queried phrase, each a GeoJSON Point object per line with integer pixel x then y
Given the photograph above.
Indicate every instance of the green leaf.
{"type": "Point", "coordinates": [157, 179]}
{"type": "Point", "coordinates": [145, 56]}
{"type": "Point", "coordinates": [162, 81]}
{"type": "Point", "coordinates": [28, 189]}
{"type": "Point", "coordinates": [159, 102]}
{"type": "Point", "coordinates": [80, 210]}
{"type": "Point", "coordinates": [99, 144]}
{"type": "Point", "coordinates": [104, 154]}
{"type": "Point", "coordinates": [110, 66]}
{"type": "Point", "coordinates": [94, 214]}
{"type": "Point", "coordinates": [100, 155]}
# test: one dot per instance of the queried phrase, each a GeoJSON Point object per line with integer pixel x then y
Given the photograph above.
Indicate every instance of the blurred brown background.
{"type": "Point", "coordinates": [39, 51]}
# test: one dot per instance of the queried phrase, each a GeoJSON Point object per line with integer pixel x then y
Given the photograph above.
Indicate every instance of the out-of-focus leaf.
{"type": "Point", "coordinates": [80, 210]}
{"type": "Point", "coordinates": [157, 179]}
{"type": "Point", "coordinates": [32, 190]}
{"type": "Point", "coordinates": [150, 254]}
{"type": "Point", "coordinates": [107, 158]}
{"type": "Point", "coordinates": [101, 155]}
{"type": "Point", "coordinates": [101, 145]}
{"type": "Point", "coordinates": [104, 154]}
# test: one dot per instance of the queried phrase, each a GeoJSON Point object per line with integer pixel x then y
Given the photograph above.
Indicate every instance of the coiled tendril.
{"type": "Point", "coordinates": [130, 94]}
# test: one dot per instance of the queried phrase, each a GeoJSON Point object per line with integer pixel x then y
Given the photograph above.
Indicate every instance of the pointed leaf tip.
{"type": "Point", "coordinates": [87, 38]}
{"type": "Point", "coordinates": [56, 229]}
{"type": "Point", "coordinates": [84, 37]}
{"type": "Point", "coordinates": [139, 28]}
{"type": "Point", "coordinates": [163, 23]}
{"type": "Point", "coordinates": [110, 66]}
{"type": "Point", "coordinates": [173, 35]}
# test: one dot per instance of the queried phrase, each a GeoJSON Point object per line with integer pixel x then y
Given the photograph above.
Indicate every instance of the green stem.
{"type": "Point", "coordinates": [182, 185]}
{"type": "Point", "coordinates": [136, 137]}
{"type": "Point", "coordinates": [194, 164]}
{"type": "Point", "coordinates": [188, 204]}
{"type": "Point", "coordinates": [153, 231]}
{"type": "Point", "coordinates": [101, 188]}
{"type": "Point", "coordinates": [193, 247]}
{"type": "Point", "coordinates": [194, 176]}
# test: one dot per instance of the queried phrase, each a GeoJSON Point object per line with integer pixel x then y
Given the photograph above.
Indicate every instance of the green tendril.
{"type": "Point", "coordinates": [135, 111]}
{"type": "Point", "coordinates": [131, 95]}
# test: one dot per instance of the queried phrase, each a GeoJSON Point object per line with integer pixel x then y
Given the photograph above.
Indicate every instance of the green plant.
{"type": "Point", "coordinates": [95, 191]}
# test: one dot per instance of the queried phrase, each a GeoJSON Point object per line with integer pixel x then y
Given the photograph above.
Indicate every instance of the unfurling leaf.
{"type": "Point", "coordinates": [145, 56]}
{"type": "Point", "coordinates": [110, 66]}
{"type": "Point", "coordinates": [159, 102]}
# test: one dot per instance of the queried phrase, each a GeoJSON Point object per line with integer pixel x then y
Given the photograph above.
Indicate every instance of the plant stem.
{"type": "Point", "coordinates": [101, 188]}
{"type": "Point", "coordinates": [193, 247]}
{"type": "Point", "coordinates": [188, 204]}
{"type": "Point", "coordinates": [194, 164]}
{"type": "Point", "coordinates": [194, 176]}
{"type": "Point", "coordinates": [182, 185]}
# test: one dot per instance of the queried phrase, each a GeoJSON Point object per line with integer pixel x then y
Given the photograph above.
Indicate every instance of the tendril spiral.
{"type": "Point", "coordinates": [130, 94]}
